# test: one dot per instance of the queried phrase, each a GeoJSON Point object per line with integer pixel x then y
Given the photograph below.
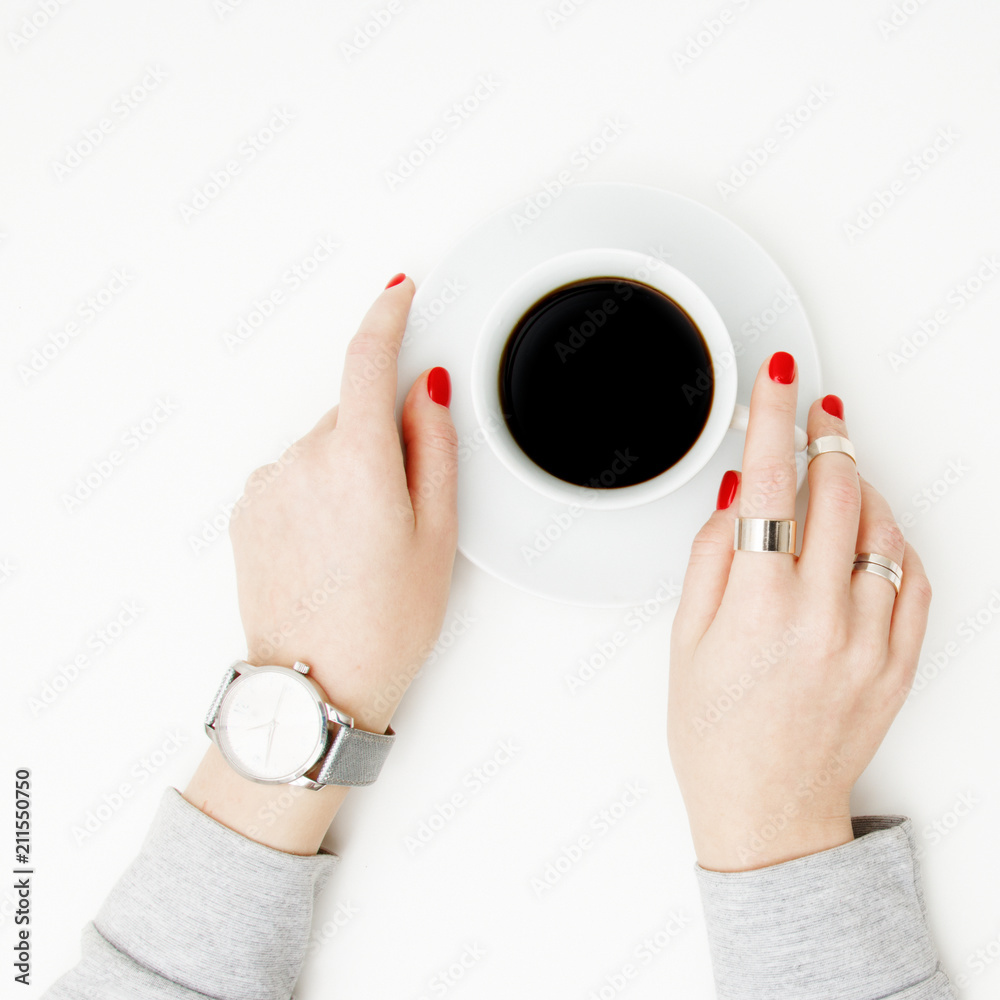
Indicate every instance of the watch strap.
{"type": "Point", "coordinates": [354, 756]}
{"type": "Point", "coordinates": [231, 674]}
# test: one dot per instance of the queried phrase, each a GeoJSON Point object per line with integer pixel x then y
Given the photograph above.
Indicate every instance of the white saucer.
{"type": "Point", "coordinates": [597, 558]}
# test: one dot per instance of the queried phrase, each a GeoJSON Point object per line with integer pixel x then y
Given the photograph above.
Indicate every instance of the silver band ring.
{"type": "Point", "coordinates": [872, 562]}
{"type": "Point", "coordinates": [874, 557]}
{"type": "Point", "coordinates": [760, 534]}
{"type": "Point", "coordinates": [832, 442]}
{"type": "Point", "coordinates": [879, 571]}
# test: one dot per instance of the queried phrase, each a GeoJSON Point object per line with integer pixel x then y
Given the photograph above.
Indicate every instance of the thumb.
{"type": "Point", "coordinates": [431, 443]}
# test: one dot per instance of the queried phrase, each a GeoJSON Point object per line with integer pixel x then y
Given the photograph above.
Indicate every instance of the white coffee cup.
{"type": "Point", "coordinates": [525, 291]}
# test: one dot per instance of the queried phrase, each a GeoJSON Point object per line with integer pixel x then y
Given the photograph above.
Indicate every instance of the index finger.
{"type": "Point", "coordinates": [769, 480]}
{"type": "Point", "coordinates": [368, 385]}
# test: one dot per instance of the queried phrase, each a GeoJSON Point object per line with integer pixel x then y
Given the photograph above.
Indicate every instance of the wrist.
{"type": "Point", "coordinates": [764, 840]}
{"type": "Point", "coordinates": [288, 818]}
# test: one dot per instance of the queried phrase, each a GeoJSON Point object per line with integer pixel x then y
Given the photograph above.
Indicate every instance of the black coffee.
{"type": "Point", "coordinates": [605, 383]}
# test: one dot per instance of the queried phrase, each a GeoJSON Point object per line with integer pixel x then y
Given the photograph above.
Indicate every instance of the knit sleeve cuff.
{"type": "Point", "coordinates": [845, 924]}
{"type": "Point", "coordinates": [212, 911]}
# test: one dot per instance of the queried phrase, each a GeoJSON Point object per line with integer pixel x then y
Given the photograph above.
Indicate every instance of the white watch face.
{"type": "Point", "coordinates": [271, 724]}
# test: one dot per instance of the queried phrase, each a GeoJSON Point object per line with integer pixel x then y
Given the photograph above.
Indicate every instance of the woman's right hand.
{"type": "Point", "coordinates": [785, 673]}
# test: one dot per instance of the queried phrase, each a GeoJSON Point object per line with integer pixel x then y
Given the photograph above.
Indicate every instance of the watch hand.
{"type": "Point", "coordinates": [277, 704]}
{"type": "Point", "coordinates": [273, 724]}
{"type": "Point", "coordinates": [270, 737]}
{"type": "Point", "coordinates": [250, 729]}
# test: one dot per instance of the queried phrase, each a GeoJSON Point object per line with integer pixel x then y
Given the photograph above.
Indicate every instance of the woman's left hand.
{"type": "Point", "coordinates": [343, 553]}
{"type": "Point", "coordinates": [343, 560]}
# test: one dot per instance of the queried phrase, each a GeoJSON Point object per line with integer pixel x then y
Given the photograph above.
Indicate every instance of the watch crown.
{"type": "Point", "coordinates": [302, 668]}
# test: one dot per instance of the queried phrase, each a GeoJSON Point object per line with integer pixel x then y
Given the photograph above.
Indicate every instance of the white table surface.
{"type": "Point", "coordinates": [885, 95]}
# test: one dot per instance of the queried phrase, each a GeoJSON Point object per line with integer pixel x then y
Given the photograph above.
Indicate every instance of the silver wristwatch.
{"type": "Point", "coordinates": [274, 725]}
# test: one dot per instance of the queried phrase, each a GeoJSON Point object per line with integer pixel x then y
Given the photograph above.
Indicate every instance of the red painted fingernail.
{"type": "Point", "coordinates": [782, 368]}
{"type": "Point", "coordinates": [395, 280]}
{"type": "Point", "coordinates": [727, 490]}
{"type": "Point", "coordinates": [834, 405]}
{"type": "Point", "coordinates": [439, 386]}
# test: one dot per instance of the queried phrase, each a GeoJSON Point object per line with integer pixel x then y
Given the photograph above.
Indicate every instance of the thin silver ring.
{"type": "Point", "coordinates": [832, 442]}
{"type": "Point", "coordinates": [874, 557]}
{"type": "Point", "coordinates": [886, 574]}
{"type": "Point", "coordinates": [761, 534]}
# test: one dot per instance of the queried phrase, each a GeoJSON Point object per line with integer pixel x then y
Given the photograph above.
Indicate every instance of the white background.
{"type": "Point", "coordinates": [68, 573]}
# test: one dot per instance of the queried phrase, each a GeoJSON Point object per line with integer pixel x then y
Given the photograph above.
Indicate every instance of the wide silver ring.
{"type": "Point", "coordinates": [883, 566]}
{"type": "Point", "coordinates": [832, 442]}
{"type": "Point", "coordinates": [874, 557]}
{"type": "Point", "coordinates": [760, 534]}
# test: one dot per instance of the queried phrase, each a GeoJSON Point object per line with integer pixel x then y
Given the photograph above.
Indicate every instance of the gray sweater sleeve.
{"type": "Point", "coordinates": [201, 912]}
{"type": "Point", "coordinates": [204, 912]}
{"type": "Point", "coordinates": [845, 924]}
